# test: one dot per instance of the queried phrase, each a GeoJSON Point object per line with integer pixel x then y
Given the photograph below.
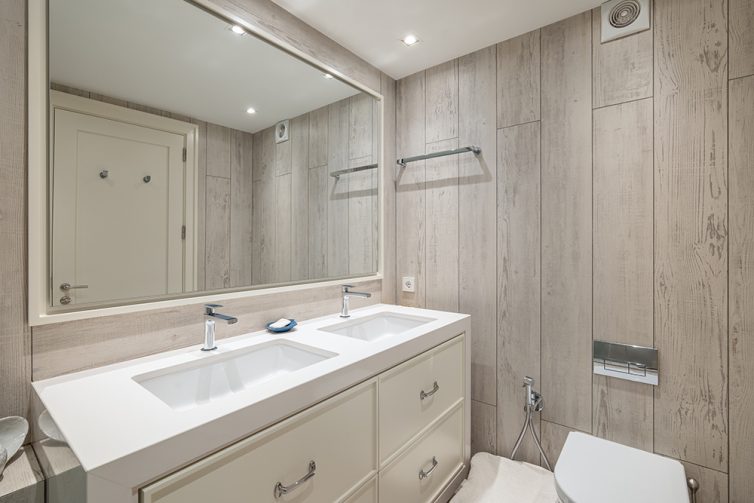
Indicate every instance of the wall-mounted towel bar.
{"type": "Point", "coordinates": [442, 153]}
{"type": "Point", "coordinates": [336, 174]}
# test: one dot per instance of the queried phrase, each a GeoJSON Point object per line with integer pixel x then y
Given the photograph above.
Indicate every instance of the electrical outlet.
{"type": "Point", "coordinates": [408, 284]}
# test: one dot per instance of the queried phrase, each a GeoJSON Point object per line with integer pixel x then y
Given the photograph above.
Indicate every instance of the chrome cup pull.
{"type": "Point", "coordinates": [426, 394]}
{"type": "Point", "coordinates": [67, 286]}
{"type": "Point", "coordinates": [280, 489]}
{"type": "Point", "coordinates": [423, 475]}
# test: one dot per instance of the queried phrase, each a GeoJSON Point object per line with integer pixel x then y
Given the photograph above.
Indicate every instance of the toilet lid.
{"type": "Point", "coordinates": [593, 470]}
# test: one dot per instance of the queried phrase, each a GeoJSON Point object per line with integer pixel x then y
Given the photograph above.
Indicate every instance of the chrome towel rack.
{"type": "Point", "coordinates": [472, 148]}
{"type": "Point", "coordinates": [336, 174]}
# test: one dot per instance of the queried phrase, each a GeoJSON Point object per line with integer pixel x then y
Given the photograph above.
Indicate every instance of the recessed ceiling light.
{"type": "Point", "coordinates": [327, 76]}
{"type": "Point", "coordinates": [237, 29]}
{"type": "Point", "coordinates": [410, 40]}
{"type": "Point", "coordinates": [251, 110]}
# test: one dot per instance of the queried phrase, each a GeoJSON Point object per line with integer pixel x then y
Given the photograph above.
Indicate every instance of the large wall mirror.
{"type": "Point", "coordinates": [187, 156]}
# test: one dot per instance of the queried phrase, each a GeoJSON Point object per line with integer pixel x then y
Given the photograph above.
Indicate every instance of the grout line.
{"type": "Point", "coordinates": [727, 249]}
{"type": "Point", "coordinates": [740, 77]}
{"type": "Point", "coordinates": [624, 102]}
{"type": "Point", "coordinates": [483, 402]}
{"type": "Point", "coordinates": [563, 426]}
{"type": "Point", "coordinates": [458, 184]}
{"type": "Point", "coordinates": [540, 374]}
{"type": "Point", "coordinates": [654, 215]}
{"type": "Point", "coordinates": [701, 466]}
{"type": "Point", "coordinates": [518, 125]}
{"type": "Point", "coordinates": [591, 148]}
{"type": "Point", "coordinates": [497, 253]}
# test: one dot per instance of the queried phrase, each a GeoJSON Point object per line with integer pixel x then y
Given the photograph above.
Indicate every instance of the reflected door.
{"type": "Point", "coordinates": [118, 203]}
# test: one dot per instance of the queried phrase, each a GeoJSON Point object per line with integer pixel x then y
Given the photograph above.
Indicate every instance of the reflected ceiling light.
{"type": "Point", "coordinates": [327, 76]}
{"type": "Point", "coordinates": [237, 29]}
{"type": "Point", "coordinates": [251, 110]}
{"type": "Point", "coordinates": [410, 40]}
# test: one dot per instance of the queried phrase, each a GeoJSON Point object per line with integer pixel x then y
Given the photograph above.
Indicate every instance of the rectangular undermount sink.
{"type": "Point", "coordinates": [195, 383]}
{"type": "Point", "coordinates": [377, 326]}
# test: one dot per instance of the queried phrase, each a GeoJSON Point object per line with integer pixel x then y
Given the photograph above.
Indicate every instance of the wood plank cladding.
{"type": "Point", "coordinates": [477, 215]}
{"type": "Point", "coordinates": [518, 80]}
{"type": "Point", "coordinates": [623, 262]}
{"type": "Point", "coordinates": [622, 68]}
{"type": "Point", "coordinates": [567, 221]}
{"type": "Point", "coordinates": [613, 210]}
{"type": "Point", "coordinates": [741, 38]}
{"type": "Point", "coordinates": [691, 242]}
{"type": "Point", "coordinates": [741, 285]}
{"type": "Point", "coordinates": [15, 343]}
{"type": "Point", "coordinates": [410, 187]}
{"type": "Point", "coordinates": [518, 278]}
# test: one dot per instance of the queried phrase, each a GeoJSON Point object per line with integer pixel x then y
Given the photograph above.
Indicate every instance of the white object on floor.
{"type": "Point", "coordinates": [493, 479]}
{"type": "Point", "coordinates": [13, 431]}
{"type": "Point", "coordinates": [594, 470]}
{"type": "Point", "coordinates": [48, 426]}
{"type": "Point", "coordinates": [282, 322]}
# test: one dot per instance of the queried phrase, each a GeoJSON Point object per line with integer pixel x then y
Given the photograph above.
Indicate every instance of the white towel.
{"type": "Point", "coordinates": [493, 479]}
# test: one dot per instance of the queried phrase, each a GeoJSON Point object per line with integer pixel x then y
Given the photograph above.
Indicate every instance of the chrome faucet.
{"type": "Point", "coordinates": [209, 325]}
{"type": "Point", "coordinates": [347, 294]}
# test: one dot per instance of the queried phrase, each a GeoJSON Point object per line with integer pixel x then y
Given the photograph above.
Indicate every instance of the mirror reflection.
{"type": "Point", "coordinates": [187, 155]}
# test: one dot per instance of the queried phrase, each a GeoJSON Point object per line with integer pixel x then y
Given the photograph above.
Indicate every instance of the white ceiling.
{"type": "Point", "coordinates": [176, 57]}
{"type": "Point", "coordinates": [446, 28]}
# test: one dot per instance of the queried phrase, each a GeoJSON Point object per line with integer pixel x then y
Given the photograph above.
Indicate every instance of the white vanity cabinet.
{"type": "Point", "coordinates": [398, 437]}
{"type": "Point", "coordinates": [334, 443]}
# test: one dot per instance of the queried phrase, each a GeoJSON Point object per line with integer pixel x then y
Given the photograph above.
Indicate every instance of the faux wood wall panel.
{"type": "Point", "coordinates": [442, 230]}
{"type": "Point", "coordinates": [623, 262]}
{"type": "Point", "coordinates": [519, 276]}
{"type": "Point", "coordinates": [691, 249]}
{"type": "Point", "coordinates": [567, 221]}
{"type": "Point", "coordinates": [518, 80]}
{"type": "Point", "coordinates": [410, 187]}
{"type": "Point", "coordinates": [477, 214]}
{"type": "Point", "coordinates": [741, 285]}
{"type": "Point", "coordinates": [622, 68]}
{"type": "Point", "coordinates": [633, 175]}
{"type": "Point", "coordinates": [389, 271]}
{"type": "Point", "coordinates": [15, 344]}
{"type": "Point", "coordinates": [741, 38]}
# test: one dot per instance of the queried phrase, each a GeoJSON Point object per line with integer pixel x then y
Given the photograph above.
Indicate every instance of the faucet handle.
{"type": "Point", "coordinates": [210, 308]}
{"type": "Point", "coordinates": [345, 288]}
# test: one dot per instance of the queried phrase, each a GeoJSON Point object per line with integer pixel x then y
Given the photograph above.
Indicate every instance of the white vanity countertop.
{"type": "Point", "coordinates": [126, 435]}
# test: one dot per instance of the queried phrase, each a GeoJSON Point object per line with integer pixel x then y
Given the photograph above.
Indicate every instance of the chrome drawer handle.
{"type": "Point", "coordinates": [423, 475]}
{"type": "Point", "coordinates": [426, 394]}
{"type": "Point", "coordinates": [280, 489]}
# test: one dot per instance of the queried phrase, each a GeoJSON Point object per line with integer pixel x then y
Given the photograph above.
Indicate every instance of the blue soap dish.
{"type": "Point", "coordinates": [286, 328]}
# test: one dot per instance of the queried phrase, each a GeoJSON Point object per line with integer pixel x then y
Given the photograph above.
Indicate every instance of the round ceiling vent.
{"type": "Point", "coordinates": [624, 13]}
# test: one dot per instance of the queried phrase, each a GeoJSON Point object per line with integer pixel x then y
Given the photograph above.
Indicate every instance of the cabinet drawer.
{"type": "Point", "coordinates": [367, 494]}
{"type": "Point", "coordinates": [338, 435]}
{"type": "Point", "coordinates": [404, 409]}
{"type": "Point", "coordinates": [422, 472]}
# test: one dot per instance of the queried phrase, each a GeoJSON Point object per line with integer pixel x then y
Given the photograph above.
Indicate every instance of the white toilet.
{"type": "Point", "coordinates": [593, 470]}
